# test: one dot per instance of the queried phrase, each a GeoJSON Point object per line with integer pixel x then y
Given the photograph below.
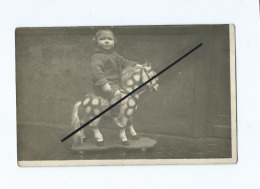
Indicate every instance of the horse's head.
{"type": "Point", "coordinates": [146, 74]}
{"type": "Point", "coordinates": [132, 77]}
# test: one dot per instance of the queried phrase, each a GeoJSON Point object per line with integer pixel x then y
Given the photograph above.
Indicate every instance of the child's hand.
{"type": "Point", "coordinates": [107, 88]}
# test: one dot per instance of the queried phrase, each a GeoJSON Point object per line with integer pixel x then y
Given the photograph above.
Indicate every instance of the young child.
{"type": "Point", "coordinates": [106, 68]}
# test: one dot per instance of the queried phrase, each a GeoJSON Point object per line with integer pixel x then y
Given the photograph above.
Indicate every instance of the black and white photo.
{"type": "Point", "coordinates": [67, 76]}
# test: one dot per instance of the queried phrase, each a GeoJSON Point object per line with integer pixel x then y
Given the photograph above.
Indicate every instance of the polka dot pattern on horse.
{"type": "Point", "coordinates": [131, 106]}
{"type": "Point", "coordinates": [88, 109]}
{"type": "Point", "coordinates": [137, 77]}
{"type": "Point", "coordinates": [130, 82]}
{"type": "Point", "coordinates": [86, 101]}
{"type": "Point", "coordinates": [129, 89]}
{"type": "Point", "coordinates": [129, 112]}
{"type": "Point", "coordinates": [131, 102]}
{"type": "Point", "coordinates": [95, 101]}
{"type": "Point", "coordinates": [96, 111]}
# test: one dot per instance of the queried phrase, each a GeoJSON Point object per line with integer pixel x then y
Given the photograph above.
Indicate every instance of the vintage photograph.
{"type": "Point", "coordinates": [126, 95]}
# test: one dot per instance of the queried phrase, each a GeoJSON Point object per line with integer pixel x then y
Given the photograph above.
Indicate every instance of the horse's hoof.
{"type": "Point", "coordinates": [136, 137]}
{"type": "Point", "coordinates": [126, 143]}
{"type": "Point", "coordinates": [100, 143]}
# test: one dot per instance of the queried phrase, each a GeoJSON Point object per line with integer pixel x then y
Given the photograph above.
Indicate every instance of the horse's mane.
{"type": "Point", "coordinates": [129, 71]}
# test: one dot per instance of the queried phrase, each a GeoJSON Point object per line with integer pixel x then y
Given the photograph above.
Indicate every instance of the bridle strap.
{"type": "Point", "coordinates": [146, 87]}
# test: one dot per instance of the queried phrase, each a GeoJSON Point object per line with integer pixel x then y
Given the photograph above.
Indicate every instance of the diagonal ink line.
{"type": "Point", "coordinates": [132, 92]}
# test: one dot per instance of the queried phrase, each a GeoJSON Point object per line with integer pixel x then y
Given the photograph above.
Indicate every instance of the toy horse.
{"type": "Point", "coordinates": [132, 77]}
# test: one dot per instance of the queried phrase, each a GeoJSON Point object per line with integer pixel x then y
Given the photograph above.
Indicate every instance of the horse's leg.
{"type": "Point", "coordinates": [98, 136]}
{"type": "Point", "coordinates": [126, 114]}
{"type": "Point", "coordinates": [134, 135]}
{"type": "Point", "coordinates": [76, 122]}
{"type": "Point", "coordinates": [92, 108]}
{"type": "Point", "coordinates": [87, 114]}
{"type": "Point", "coordinates": [122, 134]}
{"type": "Point", "coordinates": [82, 131]}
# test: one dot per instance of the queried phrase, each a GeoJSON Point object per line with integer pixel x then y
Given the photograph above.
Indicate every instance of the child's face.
{"type": "Point", "coordinates": [105, 40]}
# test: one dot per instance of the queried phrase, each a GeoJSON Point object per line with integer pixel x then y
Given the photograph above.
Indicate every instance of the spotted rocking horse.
{"type": "Point", "coordinates": [132, 77]}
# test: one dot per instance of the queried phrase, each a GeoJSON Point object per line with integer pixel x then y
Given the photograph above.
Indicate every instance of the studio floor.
{"type": "Point", "coordinates": [43, 142]}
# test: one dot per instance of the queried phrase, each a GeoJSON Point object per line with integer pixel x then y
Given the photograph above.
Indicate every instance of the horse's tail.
{"type": "Point", "coordinates": [75, 124]}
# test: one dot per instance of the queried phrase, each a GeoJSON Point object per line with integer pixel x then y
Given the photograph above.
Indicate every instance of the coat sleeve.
{"type": "Point", "coordinates": [97, 64]}
{"type": "Point", "coordinates": [124, 62]}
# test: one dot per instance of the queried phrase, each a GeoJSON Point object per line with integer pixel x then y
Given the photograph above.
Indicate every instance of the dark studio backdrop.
{"type": "Point", "coordinates": [52, 73]}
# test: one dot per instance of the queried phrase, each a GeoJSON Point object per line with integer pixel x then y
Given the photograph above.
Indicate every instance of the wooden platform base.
{"type": "Point", "coordinates": [90, 145]}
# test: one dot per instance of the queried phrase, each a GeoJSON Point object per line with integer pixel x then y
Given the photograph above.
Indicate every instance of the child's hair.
{"type": "Point", "coordinates": [99, 32]}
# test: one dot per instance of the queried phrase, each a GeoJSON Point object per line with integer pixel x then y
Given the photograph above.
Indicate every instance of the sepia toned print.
{"type": "Point", "coordinates": [66, 77]}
